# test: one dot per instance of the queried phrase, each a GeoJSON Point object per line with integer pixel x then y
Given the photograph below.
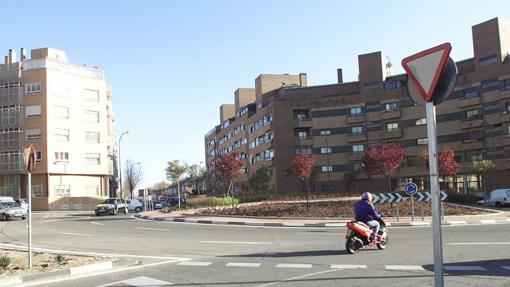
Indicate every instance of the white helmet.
{"type": "Point", "coordinates": [366, 195]}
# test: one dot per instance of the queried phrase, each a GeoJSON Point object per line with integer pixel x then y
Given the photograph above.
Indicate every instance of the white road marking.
{"type": "Point", "coordinates": [77, 234]}
{"type": "Point", "coordinates": [176, 259]}
{"type": "Point", "coordinates": [38, 283]}
{"type": "Point", "coordinates": [405, 267]}
{"type": "Point", "coordinates": [49, 221]}
{"type": "Point", "coordinates": [508, 220]}
{"type": "Point", "coordinates": [155, 229]}
{"type": "Point", "coordinates": [457, 222]}
{"type": "Point", "coordinates": [488, 221]}
{"type": "Point", "coordinates": [141, 282]}
{"type": "Point", "coordinates": [96, 223]}
{"type": "Point", "coordinates": [241, 264]}
{"type": "Point", "coordinates": [348, 266]}
{"type": "Point", "coordinates": [236, 242]}
{"type": "Point", "coordinates": [479, 243]}
{"type": "Point", "coordinates": [283, 265]}
{"type": "Point", "coordinates": [297, 278]}
{"type": "Point", "coordinates": [195, 263]}
{"type": "Point", "coordinates": [506, 267]}
{"type": "Point", "coordinates": [464, 268]}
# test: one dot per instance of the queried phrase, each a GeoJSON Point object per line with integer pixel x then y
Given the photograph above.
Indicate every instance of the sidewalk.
{"type": "Point", "coordinates": [188, 217]}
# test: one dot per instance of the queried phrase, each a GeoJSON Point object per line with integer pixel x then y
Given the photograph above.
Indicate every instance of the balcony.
{"type": "Point", "coordinates": [303, 122]}
{"type": "Point", "coordinates": [354, 119]}
{"type": "Point", "coordinates": [469, 102]}
{"type": "Point", "coordinates": [472, 145]}
{"type": "Point", "coordinates": [355, 156]}
{"type": "Point", "coordinates": [356, 137]}
{"type": "Point", "coordinates": [471, 123]}
{"type": "Point", "coordinates": [391, 114]}
{"type": "Point", "coordinates": [391, 134]}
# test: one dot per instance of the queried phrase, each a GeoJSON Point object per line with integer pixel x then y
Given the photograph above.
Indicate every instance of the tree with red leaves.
{"type": "Point", "coordinates": [448, 166]}
{"type": "Point", "coordinates": [228, 167]}
{"type": "Point", "coordinates": [302, 167]}
{"type": "Point", "coordinates": [385, 160]}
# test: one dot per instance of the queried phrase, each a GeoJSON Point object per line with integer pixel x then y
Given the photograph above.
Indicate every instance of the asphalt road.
{"type": "Point", "coordinates": [186, 254]}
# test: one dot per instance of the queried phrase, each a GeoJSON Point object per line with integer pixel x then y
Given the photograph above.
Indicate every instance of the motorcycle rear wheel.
{"type": "Point", "coordinates": [352, 246]}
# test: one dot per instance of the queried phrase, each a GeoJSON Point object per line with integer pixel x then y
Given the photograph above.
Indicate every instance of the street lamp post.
{"type": "Point", "coordinates": [120, 162]}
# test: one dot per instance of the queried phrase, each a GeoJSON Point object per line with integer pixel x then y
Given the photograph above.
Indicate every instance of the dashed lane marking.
{"type": "Point", "coordinates": [479, 243]}
{"type": "Point", "coordinates": [236, 242]}
{"type": "Point", "coordinates": [241, 264]}
{"type": "Point", "coordinates": [457, 222]}
{"type": "Point", "coordinates": [405, 267]}
{"type": "Point", "coordinates": [96, 223]}
{"type": "Point", "coordinates": [195, 263]}
{"type": "Point", "coordinates": [284, 265]}
{"type": "Point", "coordinates": [77, 234]}
{"type": "Point", "coordinates": [464, 268]}
{"type": "Point", "coordinates": [141, 281]}
{"type": "Point", "coordinates": [347, 266]}
{"type": "Point", "coordinates": [155, 229]}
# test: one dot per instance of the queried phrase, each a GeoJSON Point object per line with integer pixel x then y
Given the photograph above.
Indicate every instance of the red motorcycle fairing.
{"type": "Point", "coordinates": [360, 227]}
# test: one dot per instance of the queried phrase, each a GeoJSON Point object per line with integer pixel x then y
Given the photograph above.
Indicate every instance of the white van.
{"type": "Point", "coordinates": [498, 197]}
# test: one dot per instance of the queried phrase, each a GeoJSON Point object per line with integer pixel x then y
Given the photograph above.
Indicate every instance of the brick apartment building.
{"type": "Point", "coordinates": [282, 117]}
{"type": "Point", "coordinates": [65, 111]}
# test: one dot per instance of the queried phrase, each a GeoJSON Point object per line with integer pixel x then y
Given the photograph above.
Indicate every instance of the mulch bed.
{"type": "Point", "coordinates": [344, 209]}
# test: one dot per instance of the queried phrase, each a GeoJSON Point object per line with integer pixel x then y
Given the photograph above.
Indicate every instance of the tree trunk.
{"type": "Point", "coordinates": [232, 186]}
{"type": "Point", "coordinates": [307, 194]}
{"type": "Point", "coordinates": [389, 182]}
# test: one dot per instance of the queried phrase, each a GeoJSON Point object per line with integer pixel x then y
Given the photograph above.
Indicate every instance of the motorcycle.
{"type": "Point", "coordinates": [358, 234]}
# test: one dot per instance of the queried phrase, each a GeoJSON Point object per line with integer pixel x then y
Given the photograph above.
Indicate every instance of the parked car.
{"type": "Point", "coordinates": [173, 201]}
{"type": "Point", "coordinates": [23, 203]}
{"type": "Point", "coordinates": [134, 205]}
{"type": "Point", "coordinates": [157, 205]}
{"type": "Point", "coordinates": [10, 209]}
{"type": "Point", "coordinates": [498, 198]}
{"type": "Point", "coordinates": [111, 206]}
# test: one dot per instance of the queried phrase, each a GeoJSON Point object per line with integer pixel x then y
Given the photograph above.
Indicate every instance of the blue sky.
{"type": "Point", "coordinates": [172, 63]}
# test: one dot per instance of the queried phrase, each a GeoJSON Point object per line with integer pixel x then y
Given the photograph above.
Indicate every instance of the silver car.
{"type": "Point", "coordinates": [10, 209]}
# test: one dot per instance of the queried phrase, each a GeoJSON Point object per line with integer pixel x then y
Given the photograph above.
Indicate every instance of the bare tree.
{"type": "Point", "coordinates": [133, 175]}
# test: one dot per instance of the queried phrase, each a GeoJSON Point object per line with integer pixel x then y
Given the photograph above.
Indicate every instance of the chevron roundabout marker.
{"type": "Point", "coordinates": [432, 75]}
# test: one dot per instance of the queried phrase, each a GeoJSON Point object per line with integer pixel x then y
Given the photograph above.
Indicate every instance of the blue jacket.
{"type": "Point", "coordinates": [365, 211]}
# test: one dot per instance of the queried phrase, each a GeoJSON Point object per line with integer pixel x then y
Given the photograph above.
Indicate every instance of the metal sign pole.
{"type": "Point", "coordinates": [412, 207]}
{"type": "Point", "coordinates": [29, 219]}
{"type": "Point", "coordinates": [434, 188]}
{"type": "Point", "coordinates": [422, 211]}
{"type": "Point", "coordinates": [398, 212]}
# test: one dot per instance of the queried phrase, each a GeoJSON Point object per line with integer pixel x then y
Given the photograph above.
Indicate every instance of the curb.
{"type": "Point", "coordinates": [340, 223]}
{"type": "Point", "coordinates": [68, 272]}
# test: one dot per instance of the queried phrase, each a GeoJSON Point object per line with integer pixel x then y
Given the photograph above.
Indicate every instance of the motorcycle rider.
{"type": "Point", "coordinates": [366, 213]}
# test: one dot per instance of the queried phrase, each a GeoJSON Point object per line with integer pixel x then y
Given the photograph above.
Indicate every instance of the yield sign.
{"type": "Point", "coordinates": [425, 67]}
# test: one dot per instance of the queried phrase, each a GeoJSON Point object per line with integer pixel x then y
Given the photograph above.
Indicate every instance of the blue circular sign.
{"type": "Point", "coordinates": [411, 188]}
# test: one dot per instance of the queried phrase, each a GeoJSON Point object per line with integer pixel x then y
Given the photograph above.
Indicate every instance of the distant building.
{"type": "Point", "coordinates": [65, 111]}
{"type": "Point", "coordinates": [283, 117]}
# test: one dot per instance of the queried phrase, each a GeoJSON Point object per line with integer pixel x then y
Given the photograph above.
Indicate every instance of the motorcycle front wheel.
{"type": "Point", "coordinates": [382, 245]}
{"type": "Point", "coordinates": [352, 245]}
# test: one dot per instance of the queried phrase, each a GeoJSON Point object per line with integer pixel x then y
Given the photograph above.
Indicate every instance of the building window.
{"type": "Point", "coordinates": [33, 111]}
{"type": "Point", "coordinates": [60, 112]}
{"type": "Point", "coordinates": [33, 134]}
{"type": "Point", "coordinates": [487, 60]}
{"type": "Point", "coordinates": [91, 116]}
{"type": "Point", "coordinates": [303, 135]}
{"type": "Point", "coordinates": [327, 187]}
{"type": "Point", "coordinates": [422, 121]}
{"type": "Point", "coordinates": [372, 85]}
{"type": "Point", "coordinates": [471, 92]}
{"type": "Point", "coordinates": [356, 149]}
{"type": "Point", "coordinates": [61, 135]}
{"type": "Point", "coordinates": [92, 137]}
{"type": "Point", "coordinates": [62, 190]}
{"type": "Point", "coordinates": [326, 149]}
{"type": "Point", "coordinates": [38, 156]}
{"type": "Point", "coordinates": [91, 95]}
{"type": "Point", "coordinates": [475, 156]}
{"type": "Point", "coordinates": [302, 150]}
{"type": "Point", "coordinates": [93, 158]}
{"type": "Point", "coordinates": [328, 132]}
{"type": "Point", "coordinates": [37, 190]}
{"type": "Point", "coordinates": [422, 141]}
{"type": "Point", "coordinates": [392, 85]}
{"type": "Point", "coordinates": [355, 111]}
{"type": "Point", "coordinates": [391, 106]}
{"type": "Point", "coordinates": [32, 88]}
{"type": "Point", "coordinates": [61, 156]}
{"type": "Point", "coordinates": [92, 190]}
{"type": "Point", "coordinates": [357, 130]}
{"type": "Point", "coordinates": [391, 126]}
{"type": "Point", "coordinates": [472, 114]}
{"type": "Point", "coordinates": [326, 168]}
{"type": "Point", "coordinates": [507, 107]}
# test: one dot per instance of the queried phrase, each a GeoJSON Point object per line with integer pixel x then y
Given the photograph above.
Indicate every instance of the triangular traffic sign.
{"type": "Point", "coordinates": [425, 67]}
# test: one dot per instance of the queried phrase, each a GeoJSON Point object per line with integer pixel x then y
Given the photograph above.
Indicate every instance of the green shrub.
{"type": "Point", "coordinates": [226, 201]}
{"type": "Point", "coordinates": [203, 201]}
{"type": "Point", "coordinates": [60, 259]}
{"type": "Point", "coordinates": [461, 198]}
{"type": "Point", "coordinates": [4, 261]}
